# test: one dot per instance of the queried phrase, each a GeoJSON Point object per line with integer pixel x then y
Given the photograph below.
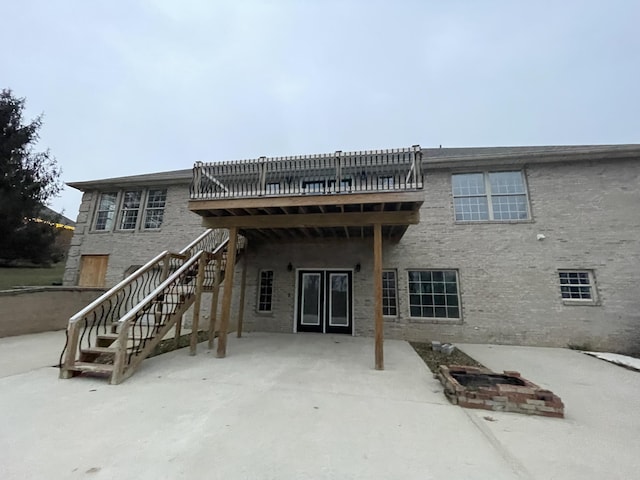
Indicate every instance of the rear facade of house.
{"type": "Point", "coordinates": [527, 245]}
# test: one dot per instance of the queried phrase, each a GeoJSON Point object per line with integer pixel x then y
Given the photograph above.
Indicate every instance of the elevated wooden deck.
{"type": "Point", "coordinates": [342, 195]}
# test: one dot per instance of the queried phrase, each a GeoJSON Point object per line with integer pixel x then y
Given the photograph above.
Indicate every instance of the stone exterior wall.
{"type": "Point", "coordinates": [508, 279]}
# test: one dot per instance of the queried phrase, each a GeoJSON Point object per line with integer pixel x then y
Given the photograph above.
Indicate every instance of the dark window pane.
{"type": "Point", "coordinates": [450, 276]}
{"type": "Point", "coordinates": [430, 295]}
{"type": "Point", "coordinates": [452, 300]}
{"type": "Point", "coordinates": [451, 288]}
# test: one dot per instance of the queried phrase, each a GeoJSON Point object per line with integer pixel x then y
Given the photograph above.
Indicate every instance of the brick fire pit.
{"type": "Point", "coordinates": [473, 387]}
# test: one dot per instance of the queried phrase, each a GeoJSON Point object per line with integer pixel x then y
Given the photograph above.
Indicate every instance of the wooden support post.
{"type": "Point", "coordinates": [377, 292]}
{"type": "Point", "coordinates": [120, 357]}
{"type": "Point", "coordinates": [228, 291]}
{"type": "Point", "coordinates": [202, 263]}
{"type": "Point", "coordinates": [242, 288]}
{"type": "Point", "coordinates": [176, 337]}
{"type": "Point", "coordinates": [214, 299]}
{"type": "Point", "coordinates": [73, 333]}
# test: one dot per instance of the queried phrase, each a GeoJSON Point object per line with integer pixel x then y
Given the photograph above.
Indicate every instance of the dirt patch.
{"type": "Point", "coordinates": [435, 359]}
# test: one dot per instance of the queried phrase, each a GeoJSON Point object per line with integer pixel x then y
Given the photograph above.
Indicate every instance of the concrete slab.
{"type": "Point", "coordinates": [599, 436]}
{"type": "Point", "coordinates": [27, 352]}
{"type": "Point", "coordinates": [278, 407]}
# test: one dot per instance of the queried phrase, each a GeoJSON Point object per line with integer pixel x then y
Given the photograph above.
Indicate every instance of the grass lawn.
{"type": "Point", "coordinates": [14, 277]}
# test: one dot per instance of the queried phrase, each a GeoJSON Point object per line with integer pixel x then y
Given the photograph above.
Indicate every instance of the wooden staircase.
{"type": "Point", "coordinates": [115, 333]}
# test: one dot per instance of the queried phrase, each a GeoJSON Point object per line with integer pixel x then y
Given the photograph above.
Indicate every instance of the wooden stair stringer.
{"type": "Point", "coordinates": [129, 369]}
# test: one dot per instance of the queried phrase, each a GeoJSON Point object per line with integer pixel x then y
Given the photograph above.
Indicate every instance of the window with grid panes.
{"type": "Point", "coordinates": [490, 196]}
{"type": "Point", "coordinates": [577, 285]}
{"type": "Point", "coordinates": [265, 291]}
{"type": "Point", "coordinates": [154, 210]}
{"type": "Point", "coordinates": [130, 209]}
{"type": "Point", "coordinates": [389, 293]}
{"type": "Point", "coordinates": [106, 211]}
{"type": "Point", "coordinates": [434, 294]}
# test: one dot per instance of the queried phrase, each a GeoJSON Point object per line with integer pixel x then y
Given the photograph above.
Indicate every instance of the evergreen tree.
{"type": "Point", "coordinates": [27, 180]}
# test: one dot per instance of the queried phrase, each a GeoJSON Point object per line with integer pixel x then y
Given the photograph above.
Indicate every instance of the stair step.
{"type": "Point", "coordinates": [108, 336]}
{"type": "Point", "coordinates": [99, 350]}
{"type": "Point", "coordinates": [92, 367]}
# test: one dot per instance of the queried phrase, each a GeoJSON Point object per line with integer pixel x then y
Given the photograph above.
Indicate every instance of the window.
{"type": "Point", "coordinates": [106, 211]}
{"type": "Point", "coordinates": [345, 185]}
{"type": "Point", "coordinates": [389, 293]}
{"type": "Point", "coordinates": [386, 183]}
{"type": "Point", "coordinates": [154, 212]}
{"type": "Point", "coordinates": [265, 291]}
{"type": "Point", "coordinates": [273, 188]}
{"type": "Point", "coordinates": [577, 285]}
{"type": "Point", "coordinates": [130, 209]}
{"type": "Point", "coordinates": [434, 294]}
{"type": "Point", "coordinates": [490, 196]}
{"type": "Point", "coordinates": [313, 186]}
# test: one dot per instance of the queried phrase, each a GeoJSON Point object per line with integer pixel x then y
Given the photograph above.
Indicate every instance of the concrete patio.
{"type": "Point", "coordinates": [284, 406]}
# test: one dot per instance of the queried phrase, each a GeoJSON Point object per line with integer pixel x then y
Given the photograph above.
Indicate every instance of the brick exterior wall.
{"type": "Point", "coordinates": [508, 279]}
{"type": "Point", "coordinates": [134, 247]}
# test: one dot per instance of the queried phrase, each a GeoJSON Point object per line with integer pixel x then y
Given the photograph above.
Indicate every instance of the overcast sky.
{"type": "Point", "coordinates": [131, 87]}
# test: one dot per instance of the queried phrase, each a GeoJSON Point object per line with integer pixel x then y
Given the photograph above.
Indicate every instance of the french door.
{"type": "Point", "coordinates": [324, 301]}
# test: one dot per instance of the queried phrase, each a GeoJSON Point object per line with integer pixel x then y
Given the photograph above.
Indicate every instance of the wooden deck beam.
{"type": "Point", "coordinates": [306, 200]}
{"type": "Point", "coordinates": [315, 220]}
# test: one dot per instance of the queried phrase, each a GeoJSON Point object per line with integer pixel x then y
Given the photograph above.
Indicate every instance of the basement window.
{"type": "Point", "coordinates": [265, 291]}
{"type": "Point", "coordinates": [577, 287]}
{"type": "Point", "coordinates": [434, 294]}
{"type": "Point", "coordinates": [389, 293]}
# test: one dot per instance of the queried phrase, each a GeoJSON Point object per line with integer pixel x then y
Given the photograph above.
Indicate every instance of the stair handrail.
{"type": "Point", "coordinates": [122, 359]}
{"type": "Point", "coordinates": [157, 291]}
{"type": "Point", "coordinates": [170, 278]}
{"type": "Point", "coordinates": [68, 355]}
{"type": "Point", "coordinates": [221, 235]}
{"type": "Point", "coordinates": [119, 286]}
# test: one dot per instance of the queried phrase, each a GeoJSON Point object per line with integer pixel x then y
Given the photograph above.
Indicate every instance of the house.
{"type": "Point", "coordinates": [513, 245]}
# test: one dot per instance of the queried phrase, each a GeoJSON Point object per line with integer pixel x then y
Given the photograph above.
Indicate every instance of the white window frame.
{"type": "Point", "coordinates": [593, 291]}
{"type": "Point", "coordinates": [395, 293]}
{"type": "Point", "coordinates": [260, 291]}
{"type": "Point", "coordinates": [147, 209]}
{"type": "Point", "coordinates": [121, 212]}
{"type": "Point", "coordinates": [114, 218]}
{"type": "Point", "coordinates": [436, 319]}
{"type": "Point", "coordinates": [488, 194]}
